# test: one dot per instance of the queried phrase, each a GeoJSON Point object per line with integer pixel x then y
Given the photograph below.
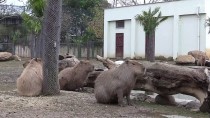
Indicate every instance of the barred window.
{"type": "Point", "coordinates": [120, 24]}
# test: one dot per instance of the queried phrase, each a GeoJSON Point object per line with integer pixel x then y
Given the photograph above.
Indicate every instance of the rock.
{"type": "Point", "coordinates": [4, 56]}
{"type": "Point", "coordinates": [207, 63]}
{"type": "Point", "coordinates": [165, 100]}
{"type": "Point", "coordinates": [205, 107]}
{"type": "Point", "coordinates": [196, 54]}
{"type": "Point", "coordinates": [192, 105]}
{"type": "Point", "coordinates": [185, 59]}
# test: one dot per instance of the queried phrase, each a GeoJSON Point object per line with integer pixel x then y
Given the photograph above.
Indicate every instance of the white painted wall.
{"type": "Point", "coordinates": [140, 41]}
{"type": "Point", "coordinates": [164, 38]}
{"type": "Point", "coordinates": [177, 35]}
{"type": "Point", "coordinates": [188, 34]}
{"type": "Point", "coordinates": [112, 38]}
{"type": "Point", "coordinates": [207, 9]}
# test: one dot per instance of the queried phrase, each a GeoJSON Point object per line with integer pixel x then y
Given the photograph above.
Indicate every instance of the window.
{"type": "Point", "coordinates": [120, 24]}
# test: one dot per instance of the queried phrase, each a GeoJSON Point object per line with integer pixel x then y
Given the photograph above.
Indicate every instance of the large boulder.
{"type": "Point", "coordinates": [185, 59]}
{"type": "Point", "coordinates": [197, 54]}
{"type": "Point", "coordinates": [4, 56]}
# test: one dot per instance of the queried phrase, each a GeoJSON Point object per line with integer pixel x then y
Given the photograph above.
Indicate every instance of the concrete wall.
{"type": "Point", "coordinates": [177, 35]}
{"type": "Point", "coordinates": [164, 38]}
{"type": "Point", "coordinates": [112, 38]}
{"type": "Point", "coordinates": [207, 3]}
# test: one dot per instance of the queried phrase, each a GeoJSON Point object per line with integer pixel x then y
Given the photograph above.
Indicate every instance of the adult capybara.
{"type": "Point", "coordinates": [111, 86]}
{"type": "Point", "coordinates": [73, 78]}
{"type": "Point", "coordinates": [67, 62]}
{"type": "Point", "coordinates": [30, 81]}
{"type": "Point", "coordinates": [201, 61]}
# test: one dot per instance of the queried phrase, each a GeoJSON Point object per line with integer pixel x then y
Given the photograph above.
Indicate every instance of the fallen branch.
{"type": "Point", "coordinates": [167, 79]}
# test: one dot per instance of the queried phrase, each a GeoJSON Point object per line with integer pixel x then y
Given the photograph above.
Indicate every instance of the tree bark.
{"type": "Point", "coordinates": [51, 36]}
{"type": "Point", "coordinates": [150, 46]}
{"type": "Point", "coordinates": [32, 45]}
{"type": "Point", "coordinates": [167, 79]}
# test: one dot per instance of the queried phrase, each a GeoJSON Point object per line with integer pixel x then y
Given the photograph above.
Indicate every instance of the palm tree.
{"type": "Point", "coordinates": [51, 35]}
{"type": "Point", "coordinates": [150, 21]}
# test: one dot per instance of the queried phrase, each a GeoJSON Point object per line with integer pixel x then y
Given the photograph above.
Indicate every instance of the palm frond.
{"type": "Point", "coordinates": [155, 11]}
{"type": "Point", "coordinates": [148, 19]}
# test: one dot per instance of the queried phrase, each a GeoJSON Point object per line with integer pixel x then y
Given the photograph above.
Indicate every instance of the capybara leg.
{"type": "Point", "coordinates": [120, 98]}
{"type": "Point", "coordinates": [128, 99]}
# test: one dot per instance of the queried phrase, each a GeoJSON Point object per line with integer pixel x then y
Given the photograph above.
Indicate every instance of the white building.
{"type": "Point", "coordinates": [183, 31]}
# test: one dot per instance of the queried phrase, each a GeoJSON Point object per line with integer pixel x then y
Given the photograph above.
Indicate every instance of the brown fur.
{"type": "Point", "coordinates": [67, 62]}
{"type": "Point", "coordinates": [201, 61]}
{"type": "Point", "coordinates": [74, 78]}
{"type": "Point", "coordinates": [30, 81]}
{"type": "Point", "coordinates": [112, 85]}
{"type": "Point", "coordinates": [26, 63]}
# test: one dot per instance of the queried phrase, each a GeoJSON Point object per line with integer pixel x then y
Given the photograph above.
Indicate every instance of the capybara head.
{"type": "Point", "coordinates": [135, 66]}
{"type": "Point", "coordinates": [86, 66]}
{"type": "Point", "coordinates": [62, 65]}
{"type": "Point", "coordinates": [32, 60]}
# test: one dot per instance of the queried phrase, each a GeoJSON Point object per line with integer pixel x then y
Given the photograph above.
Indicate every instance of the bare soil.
{"type": "Point", "coordinates": [71, 104]}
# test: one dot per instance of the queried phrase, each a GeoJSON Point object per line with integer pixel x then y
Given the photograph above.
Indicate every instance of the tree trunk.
{"type": "Point", "coordinates": [150, 46]}
{"type": "Point", "coordinates": [51, 36]}
{"type": "Point", "coordinates": [168, 79]}
{"type": "Point", "coordinates": [32, 45]}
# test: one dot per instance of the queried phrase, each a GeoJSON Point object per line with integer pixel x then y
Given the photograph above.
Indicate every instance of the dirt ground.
{"type": "Point", "coordinates": [73, 104]}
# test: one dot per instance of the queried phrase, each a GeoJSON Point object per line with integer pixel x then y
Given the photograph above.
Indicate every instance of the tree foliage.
{"type": "Point", "coordinates": [83, 18]}
{"type": "Point", "coordinates": [36, 7]}
{"type": "Point", "coordinates": [151, 19]}
{"type": "Point", "coordinates": [32, 23]}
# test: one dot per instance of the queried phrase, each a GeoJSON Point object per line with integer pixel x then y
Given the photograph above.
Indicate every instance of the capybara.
{"type": "Point", "coordinates": [67, 62]}
{"type": "Point", "coordinates": [73, 78]}
{"type": "Point", "coordinates": [26, 63]}
{"type": "Point", "coordinates": [201, 61]}
{"type": "Point", "coordinates": [113, 85]}
{"type": "Point", "coordinates": [30, 81]}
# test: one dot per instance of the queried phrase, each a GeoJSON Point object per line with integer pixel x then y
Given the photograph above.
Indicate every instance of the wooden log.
{"type": "Point", "coordinates": [106, 62]}
{"type": "Point", "coordinates": [168, 79]}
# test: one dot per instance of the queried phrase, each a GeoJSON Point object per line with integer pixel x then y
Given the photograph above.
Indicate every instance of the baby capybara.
{"type": "Point", "coordinates": [73, 78]}
{"type": "Point", "coordinates": [111, 86]}
{"type": "Point", "coordinates": [30, 81]}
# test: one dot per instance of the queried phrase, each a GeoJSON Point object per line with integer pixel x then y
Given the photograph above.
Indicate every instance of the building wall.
{"type": "Point", "coordinates": [177, 35]}
{"type": "Point", "coordinates": [207, 3]}
{"type": "Point", "coordinates": [112, 38]}
{"type": "Point", "coordinates": [140, 41]}
{"type": "Point", "coordinates": [164, 38]}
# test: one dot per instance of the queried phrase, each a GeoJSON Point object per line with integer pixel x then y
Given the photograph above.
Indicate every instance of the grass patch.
{"type": "Point", "coordinates": [172, 110]}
